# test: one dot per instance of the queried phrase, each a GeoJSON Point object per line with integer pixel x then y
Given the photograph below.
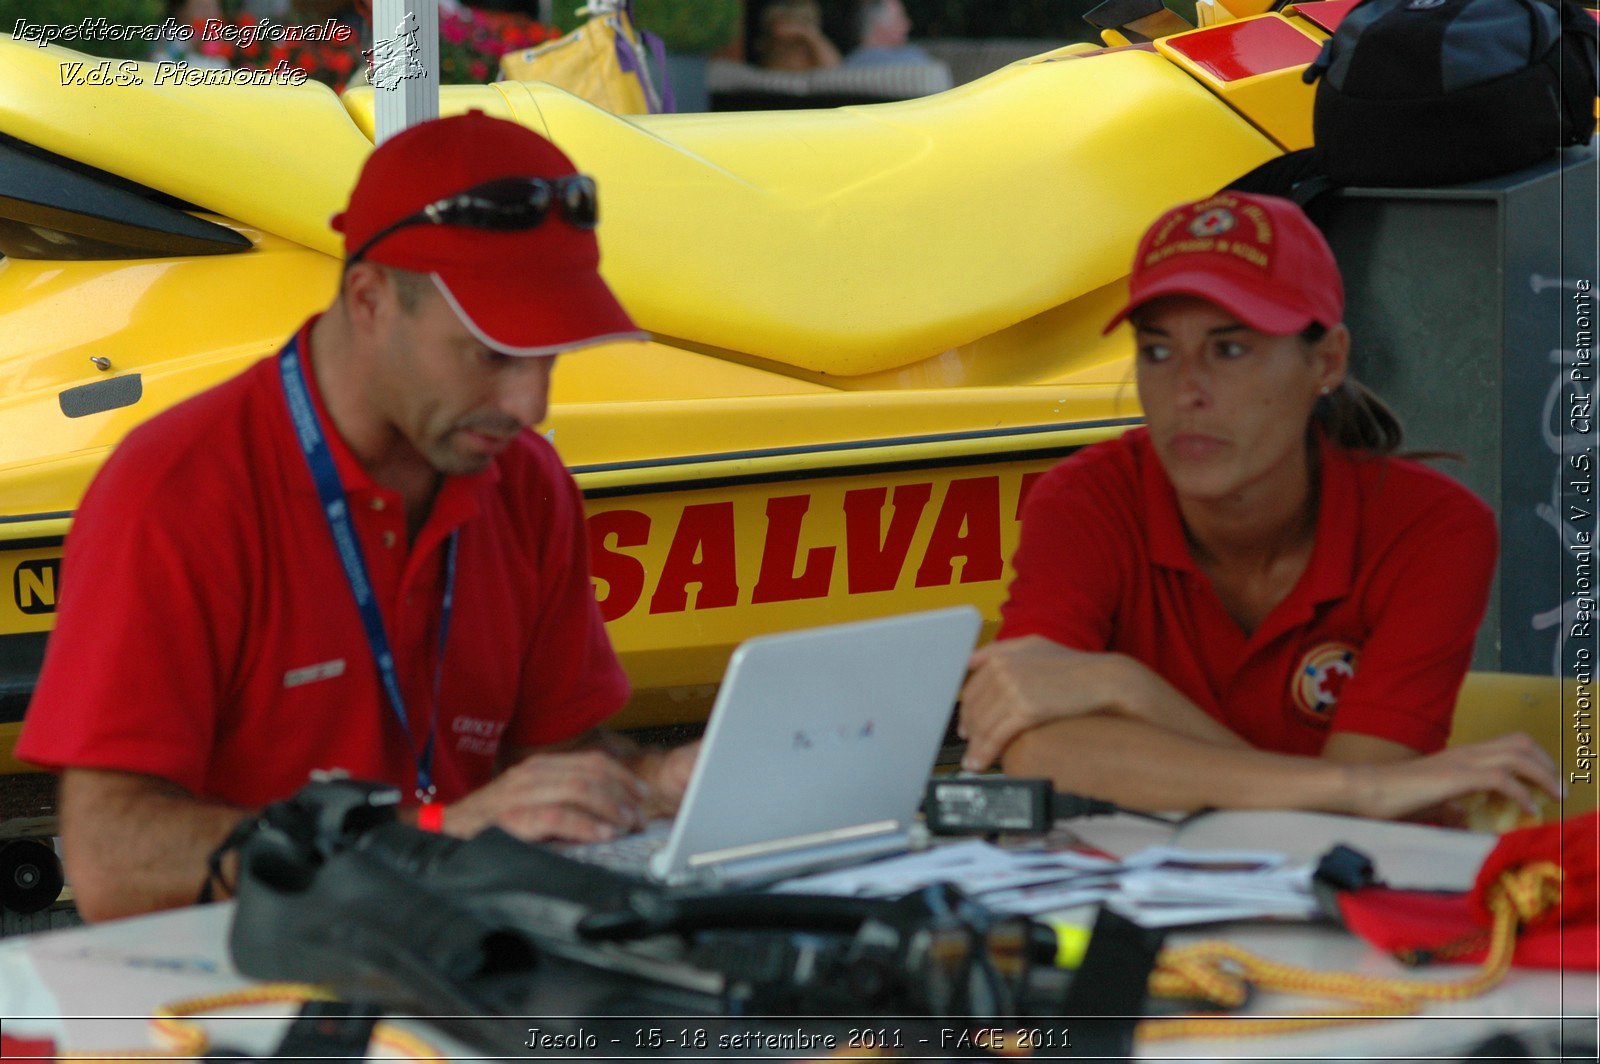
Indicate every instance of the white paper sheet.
{"type": "Point", "coordinates": [1162, 886]}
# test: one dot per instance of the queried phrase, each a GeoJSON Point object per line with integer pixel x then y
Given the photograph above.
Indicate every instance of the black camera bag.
{"type": "Point", "coordinates": [1433, 92]}
{"type": "Point", "coordinates": [474, 935]}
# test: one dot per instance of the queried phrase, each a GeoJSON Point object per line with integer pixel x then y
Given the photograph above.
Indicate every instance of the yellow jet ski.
{"type": "Point", "coordinates": [872, 326]}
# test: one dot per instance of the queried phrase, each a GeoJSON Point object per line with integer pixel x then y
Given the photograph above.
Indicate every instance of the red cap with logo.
{"type": "Point", "coordinates": [1258, 257]}
{"type": "Point", "coordinates": [534, 291]}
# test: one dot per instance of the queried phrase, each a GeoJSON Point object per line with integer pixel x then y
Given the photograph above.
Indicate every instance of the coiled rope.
{"type": "Point", "coordinates": [177, 1035]}
{"type": "Point", "coordinates": [1223, 974]}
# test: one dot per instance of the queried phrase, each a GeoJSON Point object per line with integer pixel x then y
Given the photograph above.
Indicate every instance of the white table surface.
{"type": "Point", "coordinates": [1527, 1002]}
{"type": "Point", "coordinates": [91, 989]}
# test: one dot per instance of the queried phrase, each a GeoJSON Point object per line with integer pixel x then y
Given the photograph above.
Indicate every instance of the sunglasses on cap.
{"type": "Point", "coordinates": [506, 204]}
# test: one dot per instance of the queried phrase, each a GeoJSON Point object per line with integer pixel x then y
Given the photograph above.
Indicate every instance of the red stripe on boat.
{"type": "Point", "coordinates": [1326, 14]}
{"type": "Point", "coordinates": [1237, 50]}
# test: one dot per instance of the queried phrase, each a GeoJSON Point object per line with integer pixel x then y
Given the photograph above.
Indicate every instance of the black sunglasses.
{"type": "Point", "coordinates": [503, 205]}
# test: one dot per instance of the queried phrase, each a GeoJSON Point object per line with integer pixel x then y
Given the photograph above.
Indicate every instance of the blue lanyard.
{"type": "Point", "coordinates": [308, 430]}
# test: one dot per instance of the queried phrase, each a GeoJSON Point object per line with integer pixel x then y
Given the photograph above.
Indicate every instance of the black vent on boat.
{"type": "Point", "coordinates": [54, 208]}
{"type": "Point", "coordinates": [101, 396]}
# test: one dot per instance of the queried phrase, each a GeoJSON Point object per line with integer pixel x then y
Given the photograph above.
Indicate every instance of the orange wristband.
{"type": "Point", "coordinates": [430, 817]}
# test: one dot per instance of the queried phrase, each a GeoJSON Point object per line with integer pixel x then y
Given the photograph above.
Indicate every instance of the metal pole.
{"type": "Point", "coordinates": [405, 64]}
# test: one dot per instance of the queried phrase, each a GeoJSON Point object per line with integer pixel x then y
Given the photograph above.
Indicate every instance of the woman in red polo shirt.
{"type": "Point", "coordinates": [1247, 602]}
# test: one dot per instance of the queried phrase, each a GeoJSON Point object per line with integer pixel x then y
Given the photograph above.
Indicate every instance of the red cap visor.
{"type": "Point", "coordinates": [1260, 311]}
{"type": "Point", "coordinates": [534, 316]}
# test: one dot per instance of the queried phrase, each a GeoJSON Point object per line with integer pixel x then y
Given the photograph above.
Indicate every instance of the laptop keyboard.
{"type": "Point", "coordinates": [630, 853]}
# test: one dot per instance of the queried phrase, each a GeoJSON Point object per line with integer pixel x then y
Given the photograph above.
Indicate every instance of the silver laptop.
{"type": "Point", "coordinates": [817, 751]}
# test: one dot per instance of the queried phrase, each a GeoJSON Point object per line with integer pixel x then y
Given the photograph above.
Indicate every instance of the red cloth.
{"type": "Point", "coordinates": [1567, 937]}
{"type": "Point", "coordinates": [1574, 844]}
{"type": "Point", "coordinates": [1374, 639]}
{"type": "Point", "coordinates": [26, 1048]}
{"type": "Point", "coordinates": [207, 634]}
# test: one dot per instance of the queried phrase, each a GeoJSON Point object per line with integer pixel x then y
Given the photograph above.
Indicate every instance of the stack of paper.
{"type": "Point", "coordinates": [1157, 887]}
{"type": "Point", "coordinates": [1167, 887]}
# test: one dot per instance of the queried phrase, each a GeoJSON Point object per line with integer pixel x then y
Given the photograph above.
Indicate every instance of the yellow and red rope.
{"type": "Point", "coordinates": [1223, 974]}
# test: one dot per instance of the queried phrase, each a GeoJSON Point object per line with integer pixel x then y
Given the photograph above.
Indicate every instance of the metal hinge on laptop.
{"type": "Point", "coordinates": [764, 862]}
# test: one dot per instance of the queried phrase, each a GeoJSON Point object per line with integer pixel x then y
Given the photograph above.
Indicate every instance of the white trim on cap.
{"type": "Point", "coordinates": [528, 352]}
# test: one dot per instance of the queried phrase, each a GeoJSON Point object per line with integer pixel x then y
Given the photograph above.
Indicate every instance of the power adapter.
{"type": "Point", "coordinates": [986, 805]}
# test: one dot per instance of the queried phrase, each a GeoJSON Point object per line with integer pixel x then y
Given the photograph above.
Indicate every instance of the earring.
{"type": "Point", "coordinates": [1324, 390]}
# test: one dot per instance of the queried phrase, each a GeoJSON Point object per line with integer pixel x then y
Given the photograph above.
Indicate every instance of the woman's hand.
{"type": "Point", "coordinates": [1512, 766]}
{"type": "Point", "coordinates": [1018, 684]}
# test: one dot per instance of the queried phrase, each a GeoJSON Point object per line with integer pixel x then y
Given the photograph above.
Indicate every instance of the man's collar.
{"type": "Point", "coordinates": [352, 474]}
{"type": "Point", "coordinates": [458, 494]}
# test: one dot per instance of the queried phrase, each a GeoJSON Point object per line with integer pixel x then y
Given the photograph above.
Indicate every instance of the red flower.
{"type": "Point", "coordinates": [479, 70]}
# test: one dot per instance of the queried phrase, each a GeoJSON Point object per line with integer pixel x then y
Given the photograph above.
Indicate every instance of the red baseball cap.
{"type": "Point", "coordinates": [1258, 257]}
{"type": "Point", "coordinates": [531, 291]}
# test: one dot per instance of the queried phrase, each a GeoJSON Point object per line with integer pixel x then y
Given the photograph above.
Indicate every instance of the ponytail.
{"type": "Point", "coordinates": [1352, 416]}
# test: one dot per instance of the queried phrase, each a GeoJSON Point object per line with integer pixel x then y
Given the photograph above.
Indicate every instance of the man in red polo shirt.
{"type": "Point", "coordinates": [1249, 602]}
{"type": "Point", "coordinates": [356, 555]}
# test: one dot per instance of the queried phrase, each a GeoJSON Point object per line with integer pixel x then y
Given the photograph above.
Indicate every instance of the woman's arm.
{"type": "Point", "coordinates": [1353, 749]}
{"type": "Point", "coordinates": [1142, 766]}
{"type": "Point", "coordinates": [1018, 684]}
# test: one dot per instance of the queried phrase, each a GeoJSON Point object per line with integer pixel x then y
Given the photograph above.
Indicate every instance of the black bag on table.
{"type": "Point", "coordinates": [1434, 92]}
{"type": "Point", "coordinates": [475, 935]}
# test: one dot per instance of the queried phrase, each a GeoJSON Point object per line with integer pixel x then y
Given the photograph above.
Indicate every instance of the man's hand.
{"type": "Point", "coordinates": [666, 773]}
{"type": "Point", "coordinates": [572, 796]}
{"type": "Point", "coordinates": [1512, 766]}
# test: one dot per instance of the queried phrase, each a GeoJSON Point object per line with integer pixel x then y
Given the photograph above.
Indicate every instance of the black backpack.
{"type": "Point", "coordinates": [1425, 92]}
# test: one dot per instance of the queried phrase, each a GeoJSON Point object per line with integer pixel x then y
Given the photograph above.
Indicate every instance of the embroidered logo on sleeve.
{"type": "Point", "coordinates": [1320, 678]}
{"type": "Point", "coordinates": [325, 670]}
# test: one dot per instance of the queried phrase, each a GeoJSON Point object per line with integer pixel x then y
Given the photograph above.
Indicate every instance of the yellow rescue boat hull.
{"type": "Point", "coordinates": [872, 327]}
